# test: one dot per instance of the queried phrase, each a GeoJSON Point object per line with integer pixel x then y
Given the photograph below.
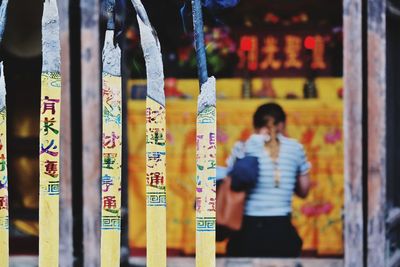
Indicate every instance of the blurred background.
{"type": "Point", "coordinates": [287, 51]}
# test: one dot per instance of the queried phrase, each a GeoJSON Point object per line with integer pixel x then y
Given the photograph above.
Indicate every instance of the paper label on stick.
{"type": "Point", "coordinates": [111, 172]}
{"type": "Point", "coordinates": [156, 183]}
{"type": "Point", "coordinates": [4, 219]}
{"type": "Point", "coordinates": [49, 157]}
{"type": "Point", "coordinates": [206, 164]}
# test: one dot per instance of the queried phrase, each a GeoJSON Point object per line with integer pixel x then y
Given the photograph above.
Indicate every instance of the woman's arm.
{"type": "Point", "coordinates": [302, 185]}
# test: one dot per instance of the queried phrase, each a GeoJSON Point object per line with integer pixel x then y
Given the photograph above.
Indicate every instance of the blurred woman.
{"type": "Point", "coordinates": [267, 230]}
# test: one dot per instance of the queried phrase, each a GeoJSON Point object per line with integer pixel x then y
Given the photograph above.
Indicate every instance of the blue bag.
{"type": "Point", "coordinates": [244, 173]}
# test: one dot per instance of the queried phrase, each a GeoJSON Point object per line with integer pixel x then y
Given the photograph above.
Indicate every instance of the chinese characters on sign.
{"type": "Point", "coordinates": [156, 197]}
{"type": "Point", "coordinates": [206, 149]}
{"type": "Point", "coordinates": [206, 152]}
{"type": "Point", "coordinates": [111, 171]}
{"type": "Point", "coordinates": [282, 54]}
{"type": "Point", "coordinates": [109, 202]}
{"type": "Point", "coordinates": [155, 160]}
{"type": "Point", "coordinates": [49, 136]}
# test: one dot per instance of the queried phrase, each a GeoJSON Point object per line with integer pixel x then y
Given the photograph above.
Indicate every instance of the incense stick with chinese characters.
{"type": "Point", "coordinates": [155, 142]}
{"type": "Point", "coordinates": [4, 209]}
{"type": "Point", "coordinates": [206, 149]}
{"type": "Point", "coordinates": [49, 150]}
{"type": "Point", "coordinates": [111, 154]}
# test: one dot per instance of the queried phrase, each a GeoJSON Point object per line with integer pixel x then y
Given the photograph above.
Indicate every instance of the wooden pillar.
{"type": "Point", "coordinates": [91, 130]}
{"type": "Point", "coordinates": [66, 219]}
{"type": "Point", "coordinates": [353, 134]}
{"type": "Point", "coordinates": [377, 133]}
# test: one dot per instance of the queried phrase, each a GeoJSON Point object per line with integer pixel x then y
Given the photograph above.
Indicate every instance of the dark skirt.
{"type": "Point", "coordinates": [265, 237]}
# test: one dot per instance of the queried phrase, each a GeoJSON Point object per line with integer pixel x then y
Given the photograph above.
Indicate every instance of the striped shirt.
{"type": "Point", "coordinates": [267, 199]}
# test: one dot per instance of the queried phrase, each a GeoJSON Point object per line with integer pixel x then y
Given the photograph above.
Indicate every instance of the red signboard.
{"type": "Point", "coordinates": [284, 54]}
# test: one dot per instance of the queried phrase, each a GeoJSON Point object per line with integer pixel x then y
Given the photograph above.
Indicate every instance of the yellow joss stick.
{"type": "Point", "coordinates": [155, 183]}
{"type": "Point", "coordinates": [49, 151]}
{"type": "Point", "coordinates": [111, 155]}
{"type": "Point", "coordinates": [49, 170]}
{"type": "Point", "coordinates": [156, 198]}
{"type": "Point", "coordinates": [4, 221]}
{"type": "Point", "coordinates": [206, 149]}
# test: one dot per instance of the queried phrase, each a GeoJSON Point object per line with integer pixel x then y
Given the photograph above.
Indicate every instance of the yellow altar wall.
{"type": "Point", "coordinates": [232, 88]}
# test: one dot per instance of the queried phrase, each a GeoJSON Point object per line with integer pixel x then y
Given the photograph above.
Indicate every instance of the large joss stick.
{"type": "Point", "coordinates": [111, 154]}
{"type": "Point", "coordinates": [4, 221]}
{"type": "Point", "coordinates": [155, 142]}
{"type": "Point", "coordinates": [49, 151]}
{"type": "Point", "coordinates": [206, 149]}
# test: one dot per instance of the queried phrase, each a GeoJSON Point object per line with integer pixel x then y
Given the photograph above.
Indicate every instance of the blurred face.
{"type": "Point", "coordinates": [271, 129]}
